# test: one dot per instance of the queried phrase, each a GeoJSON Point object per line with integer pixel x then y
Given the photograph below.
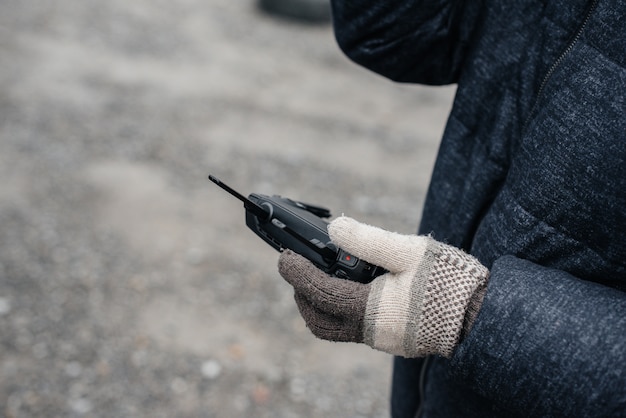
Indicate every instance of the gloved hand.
{"type": "Point", "coordinates": [431, 294]}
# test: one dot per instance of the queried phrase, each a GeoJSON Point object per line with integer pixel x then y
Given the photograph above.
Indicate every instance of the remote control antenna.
{"type": "Point", "coordinates": [258, 210]}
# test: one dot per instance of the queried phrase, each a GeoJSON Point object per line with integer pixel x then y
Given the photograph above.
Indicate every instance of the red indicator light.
{"type": "Point", "coordinates": [348, 258]}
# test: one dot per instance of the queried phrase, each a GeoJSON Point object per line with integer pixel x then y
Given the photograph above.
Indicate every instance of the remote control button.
{"type": "Point", "coordinates": [319, 244]}
{"type": "Point", "coordinates": [341, 274]}
{"type": "Point", "coordinates": [348, 259]}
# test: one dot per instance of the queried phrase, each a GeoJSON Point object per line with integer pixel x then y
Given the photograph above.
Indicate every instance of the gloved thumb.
{"type": "Point", "coordinates": [389, 250]}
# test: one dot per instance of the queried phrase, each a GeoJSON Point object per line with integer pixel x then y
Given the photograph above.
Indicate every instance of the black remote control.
{"type": "Point", "coordinates": [286, 224]}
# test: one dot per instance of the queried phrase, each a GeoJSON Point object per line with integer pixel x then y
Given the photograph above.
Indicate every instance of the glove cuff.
{"type": "Point", "coordinates": [475, 303]}
{"type": "Point", "coordinates": [449, 295]}
{"type": "Point", "coordinates": [427, 313]}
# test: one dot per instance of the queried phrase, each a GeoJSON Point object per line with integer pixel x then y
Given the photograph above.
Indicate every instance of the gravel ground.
{"type": "Point", "coordinates": [129, 284]}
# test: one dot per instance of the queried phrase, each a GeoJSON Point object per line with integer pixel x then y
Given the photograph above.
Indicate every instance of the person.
{"type": "Point", "coordinates": [511, 299]}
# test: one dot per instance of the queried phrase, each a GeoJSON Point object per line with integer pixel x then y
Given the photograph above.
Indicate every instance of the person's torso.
{"type": "Point", "coordinates": [533, 160]}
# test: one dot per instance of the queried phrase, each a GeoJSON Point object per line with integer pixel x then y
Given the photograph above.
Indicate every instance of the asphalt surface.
{"type": "Point", "coordinates": [129, 284]}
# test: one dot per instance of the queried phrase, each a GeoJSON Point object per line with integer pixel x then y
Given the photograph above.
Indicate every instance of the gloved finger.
{"type": "Point", "coordinates": [326, 326]}
{"type": "Point", "coordinates": [389, 250]}
{"type": "Point", "coordinates": [335, 296]}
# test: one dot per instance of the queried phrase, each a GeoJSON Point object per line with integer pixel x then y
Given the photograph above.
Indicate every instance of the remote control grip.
{"type": "Point", "coordinates": [291, 227]}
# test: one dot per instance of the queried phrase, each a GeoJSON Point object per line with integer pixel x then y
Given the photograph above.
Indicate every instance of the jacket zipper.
{"type": "Point", "coordinates": [559, 60]}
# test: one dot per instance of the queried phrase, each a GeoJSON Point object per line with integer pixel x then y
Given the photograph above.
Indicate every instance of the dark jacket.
{"type": "Point", "coordinates": [531, 179]}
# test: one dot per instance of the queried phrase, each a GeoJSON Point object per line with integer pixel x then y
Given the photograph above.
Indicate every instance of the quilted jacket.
{"type": "Point", "coordinates": [531, 179]}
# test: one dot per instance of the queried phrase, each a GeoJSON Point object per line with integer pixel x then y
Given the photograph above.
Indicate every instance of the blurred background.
{"type": "Point", "coordinates": [129, 284]}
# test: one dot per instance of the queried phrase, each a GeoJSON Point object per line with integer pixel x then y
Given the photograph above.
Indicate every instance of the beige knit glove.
{"type": "Point", "coordinates": [429, 297]}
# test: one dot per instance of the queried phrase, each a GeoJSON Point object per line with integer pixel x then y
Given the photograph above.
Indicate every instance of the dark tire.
{"type": "Point", "coordinates": [316, 11]}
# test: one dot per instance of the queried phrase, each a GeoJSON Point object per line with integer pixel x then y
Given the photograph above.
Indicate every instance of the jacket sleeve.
{"type": "Point", "coordinates": [407, 41]}
{"type": "Point", "coordinates": [547, 343]}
